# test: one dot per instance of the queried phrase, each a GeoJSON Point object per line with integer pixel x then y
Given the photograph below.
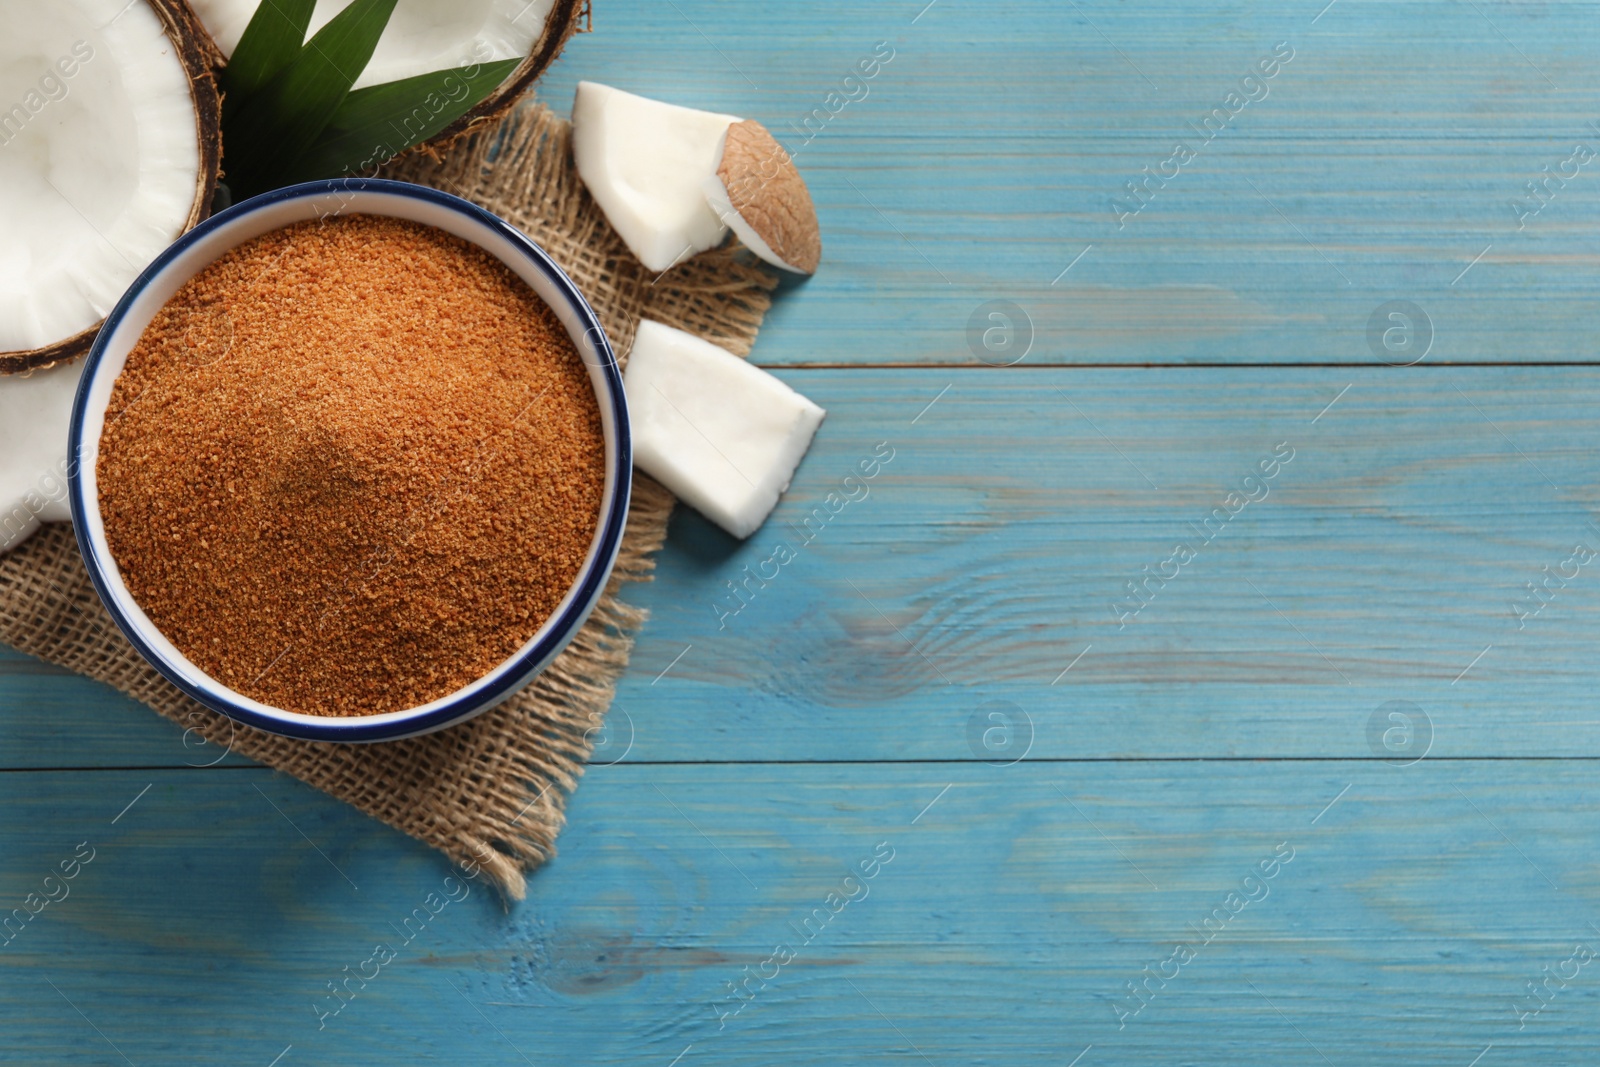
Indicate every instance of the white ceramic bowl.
{"type": "Point", "coordinates": [196, 250]}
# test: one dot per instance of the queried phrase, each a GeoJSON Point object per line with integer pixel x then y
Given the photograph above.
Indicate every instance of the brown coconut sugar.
{"type": "Point", "coordinates": [351, 466]}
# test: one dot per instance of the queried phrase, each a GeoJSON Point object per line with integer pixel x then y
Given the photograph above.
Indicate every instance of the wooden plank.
{"type": "Point", "coordinates": [1386, 563]}
{"type": "Point", "coordinates": [50, 717]}
{"type": "Point", "coordinates": [1383, 160]}
{"type": "Point", "coordinates": [1005, 928]}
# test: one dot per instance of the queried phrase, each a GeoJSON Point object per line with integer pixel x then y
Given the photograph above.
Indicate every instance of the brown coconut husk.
{"type": "Point", "coordinates": [199, 57]}
{"type": "Point", "coordinates": [566, 18]}
{"type": "Point", "coordinates": [766, 189]}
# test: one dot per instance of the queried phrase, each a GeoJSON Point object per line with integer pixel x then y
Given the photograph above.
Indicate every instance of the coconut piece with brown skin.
{"type": "Point", "coordinates": [673, 180]}
{"type": "Point", "coordinates": [644, 162]}
{"type": "Point", "coordinates": [109, 149]}
{"type": "Point", "coordinates": [758, 192]}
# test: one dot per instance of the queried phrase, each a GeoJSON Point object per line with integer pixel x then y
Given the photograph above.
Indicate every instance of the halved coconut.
{"type": "Point", "coordinates": [643, 161]}
{"type": "Point", "coordinates": [108, 151]}
{"type": "Point", "coordinates": [424, 36]}
{"type": "Point", "coordinates": [759, 193]}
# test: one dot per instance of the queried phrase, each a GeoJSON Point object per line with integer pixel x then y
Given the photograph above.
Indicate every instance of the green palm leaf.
{"type": "Point", "coordinates": [376, 124]}
{"type": "Point", "coordinates": [270, 43]}
{"type": "Point", "coordinates": [277, 123]}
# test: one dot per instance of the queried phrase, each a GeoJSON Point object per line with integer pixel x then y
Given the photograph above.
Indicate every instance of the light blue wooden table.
{"type": "Point", "coordinates": [1321, 791]}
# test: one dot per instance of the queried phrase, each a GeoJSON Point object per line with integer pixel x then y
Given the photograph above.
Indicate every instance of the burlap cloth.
{"type": "Point", "coordinates": [491, 791]}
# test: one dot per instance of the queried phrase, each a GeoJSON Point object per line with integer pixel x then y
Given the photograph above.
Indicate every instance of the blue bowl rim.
{"type": "Point", "coordinates": [525, 663]}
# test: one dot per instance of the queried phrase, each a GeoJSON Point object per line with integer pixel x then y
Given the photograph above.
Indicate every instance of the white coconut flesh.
{"type": "Point", "coordinates": [35, 410]}
{"type": "Point", "coordinates": [723, 435]}
{"type": "Point", "coordinates": [716, 194]}
{"type": "Point", "coordinates": [644, 162]}
{"type": "Point", "coordinates": [422, 35]}
{"type": "Point", "coordinates": [99, 160]}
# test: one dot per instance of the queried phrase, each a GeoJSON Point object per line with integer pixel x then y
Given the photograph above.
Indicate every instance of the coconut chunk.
{"type": "Point", "coordinates": [35, 410]}
{"type": "Point", "coordinates": [422, 35]}
{"type": "Point", "coordinates": [644, 162]}
{"type": "Point", "coordinates": [724, 436]}
{"type": "Point", "coordinates": [759, 193]}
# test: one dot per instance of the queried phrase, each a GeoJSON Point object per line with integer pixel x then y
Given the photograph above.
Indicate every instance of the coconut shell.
{"type": "Point", "coordinates": [566, 18]}
{"type": "Point", "coordinates": [199, 57]}
{"type": "Point", "coordinates": [766, 189]}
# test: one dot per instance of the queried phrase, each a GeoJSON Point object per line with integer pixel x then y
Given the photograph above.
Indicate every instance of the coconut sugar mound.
{"type": "Point", "coordinates": [352, 466]}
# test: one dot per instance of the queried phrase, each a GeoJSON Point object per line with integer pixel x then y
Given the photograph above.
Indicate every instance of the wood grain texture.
{"type": "Point", "coordinates": [1359, 617]}
{"type": "Point", "coordinates": [1405, 925]}
{"type": "Point", "coordinates": [985, 156]}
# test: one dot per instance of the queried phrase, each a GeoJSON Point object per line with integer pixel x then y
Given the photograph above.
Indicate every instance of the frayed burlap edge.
{"type": "Point", "coordinates": [493, 791]}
